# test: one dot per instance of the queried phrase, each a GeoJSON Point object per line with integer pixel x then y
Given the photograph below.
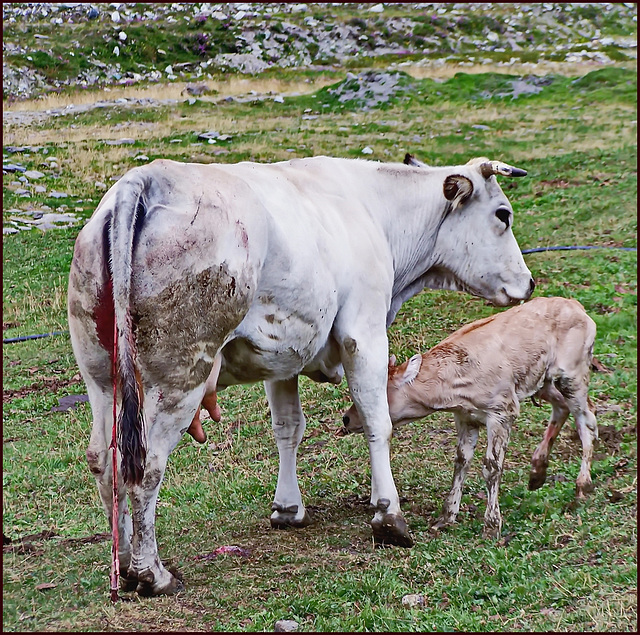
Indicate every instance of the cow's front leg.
{"type": "Point", "coordinates": [288, 427]}
{"type": "Point", "coordinates": [498, 431]}
{"type": "Point", "coordinates": [467, 440]}
{"type": "Point", "coordinates": [365, 360]}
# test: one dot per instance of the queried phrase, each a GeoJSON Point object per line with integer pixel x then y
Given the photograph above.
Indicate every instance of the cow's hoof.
{"type": "Point", "coordinates": [128, 582]}
{"type": "Point", "coordinates": [391, 529]}
{"type": "Point", "coordinates": [537, 479]}
{"type": "Point", "coordinates": [147, 586]}
{"type": "Point", "coordinates": [287, 517]}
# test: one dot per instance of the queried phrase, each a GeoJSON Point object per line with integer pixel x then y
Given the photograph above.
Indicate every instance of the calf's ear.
{"type": "Point", "coordinates": [412, 369]}
{"type": "Point", "coordinates": [392, 361]}
{"type": "Point", "coordinates": [457, 189]}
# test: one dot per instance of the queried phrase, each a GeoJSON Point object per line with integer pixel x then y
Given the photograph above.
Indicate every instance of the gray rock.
{"type": "Point", "coordinates": [55, 194]}
{"type": "Point", "coordinates": [413, 600]}
{"type": "Point", "coordinates": [13, 167]}
{"type": "Point", "coordinates": [286, 626]}
{"type": "Point", "coordinates": [33, 174]}
{"type": "Point", "coordinates": [120, 142]}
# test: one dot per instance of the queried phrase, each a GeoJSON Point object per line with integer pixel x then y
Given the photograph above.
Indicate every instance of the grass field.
{"type": "Point", "coordinates": [557, 566]}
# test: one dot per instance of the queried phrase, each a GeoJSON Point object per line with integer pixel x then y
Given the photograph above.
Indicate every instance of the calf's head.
{"type": "Point", "coordinates": [475, 248]}
{"type": "Point", "coordinates": [403, 396]}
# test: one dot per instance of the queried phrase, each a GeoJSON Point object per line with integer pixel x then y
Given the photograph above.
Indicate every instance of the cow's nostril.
{"type": "Point", "coordinates": [532, 286]}
{"type": "Point", "coordinates": [345, 420]}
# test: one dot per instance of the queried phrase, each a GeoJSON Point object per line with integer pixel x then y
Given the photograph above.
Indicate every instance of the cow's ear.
{"type": "Point", "coordinates": [458, 189]}
{"type": "Point", "coordinates": [392, 361]}
{"type": "Point", "coordinates": [412, 369]}
{"type": "Point", "coordinates": [409, 159]}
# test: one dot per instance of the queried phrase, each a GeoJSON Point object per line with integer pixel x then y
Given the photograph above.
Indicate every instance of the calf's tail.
{"type": "Point", "coordinates": [126, 221]}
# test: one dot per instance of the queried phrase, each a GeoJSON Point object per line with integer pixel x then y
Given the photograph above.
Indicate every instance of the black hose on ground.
{"type": "Point", "coordinates": [24, 338]}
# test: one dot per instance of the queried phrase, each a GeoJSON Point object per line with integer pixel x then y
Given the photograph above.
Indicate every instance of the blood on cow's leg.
{"type": "Point", "coordinates": [288, 424]}
{"type": "Point", "coordinates": [467, 440]}
{"type": "Point", "coordinates": [99, 458]}
{"type": "Point", "coordinates": [498, 430]}
{"type": "Point", "coordinates": [540, 458]}
{"type": "Point", "coordinates": [365, 360]}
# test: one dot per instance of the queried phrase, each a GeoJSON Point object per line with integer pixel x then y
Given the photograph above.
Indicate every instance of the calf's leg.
{"type": "Point", "coordinates": [288, 427]}
{"type": "Point", "coordinates": [559, 414]}
{"type": "Point", "coordinates": [467, 440]}
{"type": "Point", "coordinates": [498, 431]}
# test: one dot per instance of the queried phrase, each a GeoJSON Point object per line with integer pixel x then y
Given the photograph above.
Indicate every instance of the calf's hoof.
{"type": "Point", "coordinates": [491, 531]}
{"type": "Point", "coordinates": [537, 479]}
{"type": "Point", "coordinates": [286, 517]}
{"type": "Point", "coordinates": [147, 586]}
{"type": "Point", "coordinates": [582, 489]}
{"type": "Point", "coordinates": [391, 529]}
{"type": "Point", "coordinates": [441, 523]}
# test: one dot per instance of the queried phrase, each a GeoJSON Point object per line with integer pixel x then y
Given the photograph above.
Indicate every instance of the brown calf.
{"type": "Point", "coordinates": [482, 372]}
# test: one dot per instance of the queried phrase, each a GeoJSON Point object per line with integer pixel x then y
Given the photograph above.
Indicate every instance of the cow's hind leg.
{"type": "Point", "coordinates": [165, 426]}
{"type": "Point", "coordinates": [467, 440]}
{"type": "Point", "coordinates": [559, 414]}
{"type": "Point", "coordinates": [288, 427]}
{"type": "Point", "coordinates": [100, 460]}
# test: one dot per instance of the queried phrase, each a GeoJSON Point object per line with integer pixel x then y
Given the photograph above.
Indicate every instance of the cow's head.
{"type": "Point", "coordinates": [403, 396]}
{"type": "Point", "coordinates": [475, 248]}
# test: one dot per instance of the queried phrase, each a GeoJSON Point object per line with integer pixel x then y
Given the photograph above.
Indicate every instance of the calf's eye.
{"type": "Point", "coordinates": [504, 215]}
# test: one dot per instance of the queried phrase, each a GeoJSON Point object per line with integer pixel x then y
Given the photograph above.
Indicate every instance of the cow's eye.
{"type": "Point", "coordinates": [504, 215]}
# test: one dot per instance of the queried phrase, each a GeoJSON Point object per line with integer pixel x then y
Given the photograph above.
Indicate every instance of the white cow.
{"type": "Point", "coordinates": [274, 270]}
{"type": "Point", "coordinates": [482, 372]}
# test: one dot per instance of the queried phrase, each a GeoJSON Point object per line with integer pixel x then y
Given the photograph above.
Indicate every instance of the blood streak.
{"type": "Point", "coordinates": [104, 315]}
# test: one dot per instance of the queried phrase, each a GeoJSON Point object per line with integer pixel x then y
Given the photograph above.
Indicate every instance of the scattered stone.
{"type": "Point", "coordinates": [33, 174]}
{"type": "Point", "coordinates": [13, 167]}
{"type": "Point", "coordinates": [377, 8]}
{"type": "Point", "coordinates": [55, 194]}
{"type": "Point", "coordinates": [197, 89]}
{"type": "Point", "coordinates": [122, 36]}
{"type": "Point", "coordinates": [39, 189]}
{"type": "Point", "coordinates": [141, 157]}
{"type": "Point", "coordinates": [286, 626]}
{"type": "Point", "coordinates": [367, 150]}
{"type": "Point", "coordinates": [279, 99]}
{"type": "Point", "coordinates": [120, 142]}
{"type": "Point", "coordinates": [413, 600]}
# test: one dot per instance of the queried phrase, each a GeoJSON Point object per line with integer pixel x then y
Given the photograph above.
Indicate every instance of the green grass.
{"type": "Point", "coordinates": [558, 566]}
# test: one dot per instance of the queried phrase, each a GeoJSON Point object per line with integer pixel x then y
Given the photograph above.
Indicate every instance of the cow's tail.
{"type": "Point", "coordinates": [126, 221]}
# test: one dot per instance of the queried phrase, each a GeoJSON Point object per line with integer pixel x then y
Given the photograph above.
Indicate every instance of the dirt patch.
{"type": "Point", "coordinates": [25, 545]}
{"type": "Point", "coordinates": [50, 384]}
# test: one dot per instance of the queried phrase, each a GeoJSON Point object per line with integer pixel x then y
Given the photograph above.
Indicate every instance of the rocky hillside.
{"type": "Point", "coordinates": [53, 46]}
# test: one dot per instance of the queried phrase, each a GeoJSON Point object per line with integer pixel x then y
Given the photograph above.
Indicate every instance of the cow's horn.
{"type": "Point", "coordinates": [496, 167]}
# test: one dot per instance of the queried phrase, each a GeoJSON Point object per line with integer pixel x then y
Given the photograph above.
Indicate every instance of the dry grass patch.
{"type": "Point", "coordinates": [231, 87]}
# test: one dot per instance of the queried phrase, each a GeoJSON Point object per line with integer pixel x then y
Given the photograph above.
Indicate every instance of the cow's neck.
{"type": "Point", "coordinates": [412, 211]}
